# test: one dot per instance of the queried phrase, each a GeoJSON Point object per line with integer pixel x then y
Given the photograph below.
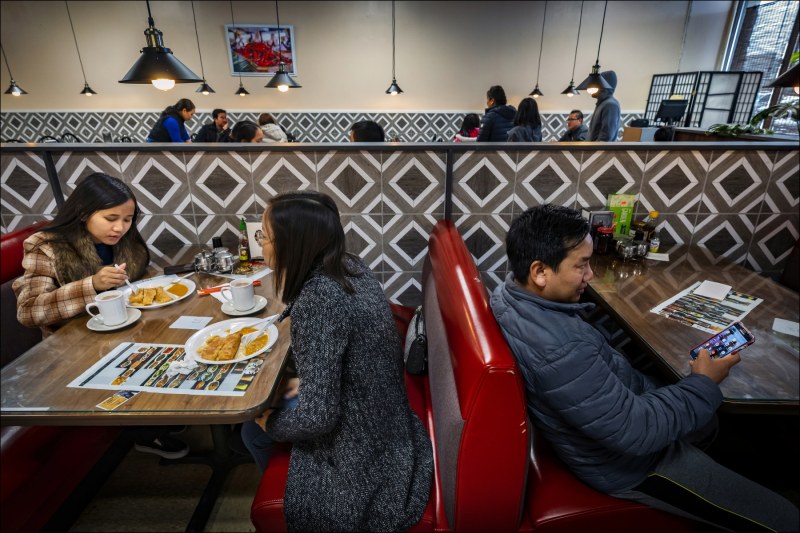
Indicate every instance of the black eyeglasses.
{"type": "Point", "coordinates": [260, 238]}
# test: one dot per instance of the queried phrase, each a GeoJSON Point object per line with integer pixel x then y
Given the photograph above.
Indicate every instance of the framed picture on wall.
{"type": "Point", "coordinates": [256, 50]}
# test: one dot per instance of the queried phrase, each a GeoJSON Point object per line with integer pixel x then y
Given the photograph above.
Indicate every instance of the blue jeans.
{"type": "Point", "coordinates": [256, 440]}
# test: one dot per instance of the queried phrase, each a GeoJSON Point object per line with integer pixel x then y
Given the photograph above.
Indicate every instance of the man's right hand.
{"type": "Point", "coordinates": [716, 369]}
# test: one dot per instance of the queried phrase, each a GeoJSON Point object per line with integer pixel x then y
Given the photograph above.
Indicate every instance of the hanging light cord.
{"type": "Point", "coordinates": [578, 40]}
{"type": "Point", "coordinates": [233, 23]}
{"type": "Point", "coordinates": [150, 20]}
{"type": "Point", "coordinates": [280, 56]}
{"type": "Point", "coordinates": [202, 70]}
{"type": "Point", "coordinates": [541, 43]}
{"type": "Point", "coordinates": [393, 77]}
{"type": "Point", "coordinates": [6, 60]}
{"type": "Point", "coordinates": [76, 42]}
{"type": "Point", "coordinates": [602, 27]}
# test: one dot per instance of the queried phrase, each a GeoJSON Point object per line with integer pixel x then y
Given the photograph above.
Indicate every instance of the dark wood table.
{"type": "Point", "coordinates": [766, 380]}
{"type": "Point", "coordinates": [34, 386]}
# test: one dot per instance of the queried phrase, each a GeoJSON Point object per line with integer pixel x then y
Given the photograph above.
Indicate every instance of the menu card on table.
{"type": "Point", "coordinates": [143, 367]}
{"type": "Point", "coordinates": [704, 313]}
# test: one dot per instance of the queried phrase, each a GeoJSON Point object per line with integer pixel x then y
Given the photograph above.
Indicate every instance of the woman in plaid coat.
{"type": "Point", "coordinates": [72, 260]}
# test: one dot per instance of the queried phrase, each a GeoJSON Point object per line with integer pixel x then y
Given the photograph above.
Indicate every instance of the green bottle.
{"type": "Point", "coordinates": [244, 246]}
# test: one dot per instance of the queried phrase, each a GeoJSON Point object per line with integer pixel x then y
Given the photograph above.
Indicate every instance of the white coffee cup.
{"type": "Point", "coordinates": [111, 308]}
{"type": "Point", "coordinates": [242, 294]}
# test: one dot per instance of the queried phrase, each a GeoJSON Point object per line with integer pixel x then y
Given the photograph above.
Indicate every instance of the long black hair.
{"type": "Point", "coordinates": [94, 193]}
{"type": "Point", "coordinates": [471, 121]}
{"type": "Point", "coordinates": [180, 105]}
{"type": "Point", "coordinates": [306, 234]}
{"type": "Point", "coordinates": [528, 114]}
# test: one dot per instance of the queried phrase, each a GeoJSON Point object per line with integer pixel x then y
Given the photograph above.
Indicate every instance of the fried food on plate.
{"type": "Point", "coordinates": [230, 345]}
{"type": "Point", "coordinates": [161, 296]}
{"type": "Point", "coordinates": [149, 296]}
{"type": "Point", "coordinates": [153, 295]}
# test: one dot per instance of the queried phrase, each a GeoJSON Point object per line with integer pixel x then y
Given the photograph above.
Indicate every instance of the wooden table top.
{"type": "Point", "coordinates": [34, 386]}
{"type": "Point", "coordinates": [766, 380]}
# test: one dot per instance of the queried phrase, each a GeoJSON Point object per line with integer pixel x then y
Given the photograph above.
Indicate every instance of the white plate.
{"type": "Point", "coordinates": [96, 325]}
{"type": "Point", "coordinates": [260, 303]}
{"type": "Point", "coordinates": [225, 327]}
{"type": "Point", "coordinates": [160, 282]}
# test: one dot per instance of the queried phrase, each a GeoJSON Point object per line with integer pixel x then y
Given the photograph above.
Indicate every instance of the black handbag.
{"type": "Point", "coordinates": [415, 354]}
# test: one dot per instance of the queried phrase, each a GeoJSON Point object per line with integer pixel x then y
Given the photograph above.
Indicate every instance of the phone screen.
{"type": "Point", "coordinates": [725, 342]}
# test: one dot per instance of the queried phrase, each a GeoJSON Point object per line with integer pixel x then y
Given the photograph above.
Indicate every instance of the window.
{"type": "Point", "coordinates": [764, 39]}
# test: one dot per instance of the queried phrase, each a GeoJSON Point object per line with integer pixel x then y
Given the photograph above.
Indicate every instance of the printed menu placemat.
{"type": "Point", "coordinates": [143, 367]}
{"type": "Point", "coordinates": [706, 314]}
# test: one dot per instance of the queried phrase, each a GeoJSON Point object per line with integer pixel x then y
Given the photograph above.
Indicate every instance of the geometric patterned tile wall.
{"type": "Point", "coordinates": [740, 204]}
{"type": "Point", "coordinates": [307, 127]}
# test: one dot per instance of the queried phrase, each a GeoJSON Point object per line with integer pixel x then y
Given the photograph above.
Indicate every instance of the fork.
{"type": "Point", "coordinates": [250, 337]}
{"type": "Point", "coordinates": [134, 290]}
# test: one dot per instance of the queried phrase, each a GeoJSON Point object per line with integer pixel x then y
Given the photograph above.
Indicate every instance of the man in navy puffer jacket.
{"type": "Point", "coordinates": [498, 118]}
{"type": "Point", "coordinates": [613, 426]}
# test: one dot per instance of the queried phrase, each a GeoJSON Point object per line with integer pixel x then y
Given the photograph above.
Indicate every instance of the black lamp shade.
{"type": "Point", "coordinates": [87, 90]}
{"type": "Point", "coordinates": [394, 88]}
{"type": "Point", "coordinates": [159, 63]}
{"type": "Point", "coordinates": [790, 78]}
{"type": "Point", "coordinates": [594, 80]}
{"type": "Point", "coordinates": [282, 78]}
{"type": "Point", "coordinates": [241, 91]}
{"type": "Point", "coordinates": [536, 93]}
{"type": "Point", "coordinates": [570, 90]}
{"type": "Point", "coordinates": [15, 89]}
{"type": "Point", "coordinates": [205, 88]}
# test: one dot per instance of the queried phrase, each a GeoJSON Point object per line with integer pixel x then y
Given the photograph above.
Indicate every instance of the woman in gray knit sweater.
{"type": "Point", "coordinates": [361, 459]}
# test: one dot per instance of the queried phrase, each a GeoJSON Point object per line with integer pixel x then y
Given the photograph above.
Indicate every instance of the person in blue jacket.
{"type": "Point", "coordinates": [170, 126]}
{"type": "Point", "coordinates": [613, 426]}
{"type": "Point", "coordinates": [498, 118]}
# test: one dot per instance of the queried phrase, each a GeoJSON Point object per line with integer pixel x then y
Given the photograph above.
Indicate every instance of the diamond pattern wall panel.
{"type": "Point", "coordinates": [604, 173]}
{"type": "Point", "coordinates": [546, 177]}
{"type": "Point", "coordinates": [221, 183]}
{"type": "Point", "coordinates": [483, 182]}
{"type": "Point", "coordinates": [737, 181]}
{"type": "Point", "coordinates": [674, 182]}
{"type": "Point", "coordinates": [306, 126]}
{"type": "Point", "coordinates": [742, 205]}
{"type": "Point", "coordinates": [24, 185]}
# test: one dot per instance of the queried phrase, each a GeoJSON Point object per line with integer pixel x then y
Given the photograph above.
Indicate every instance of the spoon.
{"type": "Point", "coordinates": [178, 279]}
{"type": "Point", "coordinates": [134, 290]}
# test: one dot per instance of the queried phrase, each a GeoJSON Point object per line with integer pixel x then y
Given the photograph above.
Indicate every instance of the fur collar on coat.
{"type": "Point", "coordinates": [78, 259]}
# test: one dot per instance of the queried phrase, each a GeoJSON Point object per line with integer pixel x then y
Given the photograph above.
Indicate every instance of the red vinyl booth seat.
{"type": "Point", "coordinates": [492, 473]}
{"type": "Point", "coordinates": [11, 251]}
{"type": "Point", "coordinates": [40, 466]}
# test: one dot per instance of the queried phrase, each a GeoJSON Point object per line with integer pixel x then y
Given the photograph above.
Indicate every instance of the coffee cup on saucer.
{"type": "Point", "coordinates": [240, 293]}
{"type": "Point", "coordinates": [111, 308]}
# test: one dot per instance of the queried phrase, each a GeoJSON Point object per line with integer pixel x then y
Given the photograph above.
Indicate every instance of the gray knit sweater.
{"type": "Point", "coordinates": [361, 459]}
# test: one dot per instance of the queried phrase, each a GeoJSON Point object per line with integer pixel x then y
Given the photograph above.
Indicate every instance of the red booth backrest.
{"type": "Point", "coordinates": [11, 251]}
{"type": "Point", "coordinates": [477, 395]}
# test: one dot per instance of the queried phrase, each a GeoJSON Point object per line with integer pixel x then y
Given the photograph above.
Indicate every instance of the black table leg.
{"type": "Point", "coordinates": [221, 460]}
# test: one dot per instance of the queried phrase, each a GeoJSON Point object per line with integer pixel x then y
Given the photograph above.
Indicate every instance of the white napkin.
{"type": "Point", "coordinates": [184, 366]}
{"type": "Point", "coordinates": [713, 290]}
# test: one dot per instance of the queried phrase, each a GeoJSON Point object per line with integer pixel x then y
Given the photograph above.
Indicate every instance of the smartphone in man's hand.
{"type": "Point", "coordinates": [729, 340]}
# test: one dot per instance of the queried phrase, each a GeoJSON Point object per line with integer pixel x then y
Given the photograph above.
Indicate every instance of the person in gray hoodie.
{"type": "Point", "coordinates": [497, 120]}
{"type": "Point", "coordinates": [614, 427]}
{"type": "Point", "coordinates": [604, 123]}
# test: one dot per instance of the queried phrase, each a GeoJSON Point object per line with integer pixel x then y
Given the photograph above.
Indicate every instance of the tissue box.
{"type": "Point", "coordinates": [622, 206]}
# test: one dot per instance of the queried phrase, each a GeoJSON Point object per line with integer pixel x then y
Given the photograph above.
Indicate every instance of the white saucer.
{"type": "Point", "coordinates": [96, 325]}
{"type": "Point", "coordinates": [229, 309]}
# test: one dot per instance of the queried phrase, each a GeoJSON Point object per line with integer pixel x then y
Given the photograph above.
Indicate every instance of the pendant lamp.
{"type": "Point", "coordinates": [241, 91]}
{"type": "Point", "coordinates": [790, 78]}
{"type": "Point", "coordinates": [536, 93]}
{"type": "Point", "coordinates": [571, 91]}
{"type": "Point", "coordinates": [595, 81]}
{"type": "Point", "coordinates": [393, 89]}
{"type": "Point", "coordinates": [204, 88]}
{"type": "Point", "coordinates": [86, 89]}
{"type": "Point", "coordinates": [281, 79]}
{"type": "Point", "coordinates": [14, 89]}
{"type": "Point", "coordinates": [157, 65]}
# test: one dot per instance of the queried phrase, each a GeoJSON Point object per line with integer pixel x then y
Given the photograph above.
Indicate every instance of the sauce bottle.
{"type": "Point", "coordinates": [244, 246]}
